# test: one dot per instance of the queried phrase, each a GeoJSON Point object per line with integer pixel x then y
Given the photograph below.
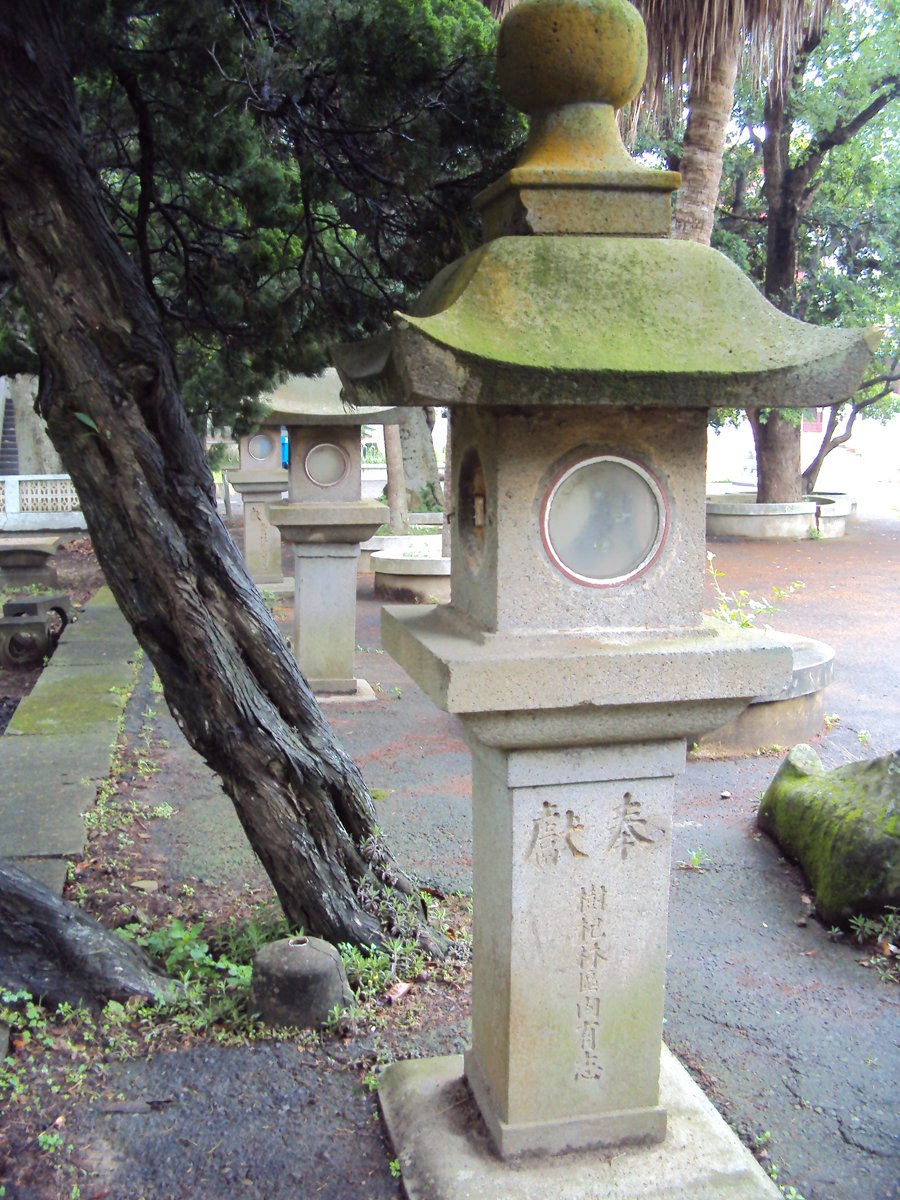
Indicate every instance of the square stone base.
{"type": "Point", "coordinates": [445, 1154]}
{"type": "Point", "coordinates": [360, 691]}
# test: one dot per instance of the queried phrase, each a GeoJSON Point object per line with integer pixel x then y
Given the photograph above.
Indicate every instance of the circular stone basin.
{"type": "Point", "coordinates": [796, 714]}
{"type": "Point", "coordinates": [417, 545]}
{"type": "Point", "coordinates": [415, 573]}
{"type": "Point", "coordinates": [832, 511]}
{"type": "Point", "coordinates": [738, 517]}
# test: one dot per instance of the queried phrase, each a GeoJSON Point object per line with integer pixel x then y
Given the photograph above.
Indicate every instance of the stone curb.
{"type": "Point", "coordinates": [60, 742]}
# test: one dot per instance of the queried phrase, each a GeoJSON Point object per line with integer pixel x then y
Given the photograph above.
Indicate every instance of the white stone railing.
{"type": "Point", "coordinates": [39, 502]}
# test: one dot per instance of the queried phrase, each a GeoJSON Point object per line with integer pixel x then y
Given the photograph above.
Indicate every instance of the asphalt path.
{"type": "Point", "coordinates": [794, 1040]}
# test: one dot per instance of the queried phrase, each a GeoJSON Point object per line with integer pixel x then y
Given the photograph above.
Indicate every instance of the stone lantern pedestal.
{"type": "Point", "coordinates": [577, 731]}
{"type": "Point", "coordinates": [262, 541]}
{"type": "Point", "coordinates": [580, 351]}
{"type": "Point", "coordinates": [325, 519]}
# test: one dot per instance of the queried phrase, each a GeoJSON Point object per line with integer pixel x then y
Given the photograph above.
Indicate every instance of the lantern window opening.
{"type": "Point", "coordinates": [604, 520]}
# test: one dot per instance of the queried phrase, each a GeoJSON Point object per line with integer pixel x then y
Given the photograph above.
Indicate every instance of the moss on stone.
{"type": "Point", "coordinates": [630, 305]}
{"type": "Point", "coordinates": [72, 702]}
{"type": "Point", "coordinates": [842, 827]}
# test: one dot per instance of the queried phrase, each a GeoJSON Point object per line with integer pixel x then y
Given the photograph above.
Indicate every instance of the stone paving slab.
{"type": "Point", "coordinates": [74, 700]}
{"type": "Point", "coordinates": [51, 872]}
{"type": "Point", "coordinates": [60, 742]}
{"type": "Point", "coordinates": [48, 783]}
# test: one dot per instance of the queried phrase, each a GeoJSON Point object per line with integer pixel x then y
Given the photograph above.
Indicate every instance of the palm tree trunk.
{"type": "Point", "coordinates": [710, 101]}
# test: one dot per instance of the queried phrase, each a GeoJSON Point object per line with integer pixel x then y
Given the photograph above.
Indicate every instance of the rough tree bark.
{"type": "Point", "coordinates": [110, 397]}
{"type": "Point", "coordinates": [777, 441]}
{"type": "Point", "coordinates": [710, 103]}
{"type": "Point", "coordinates": [54, 950]}
{"type": "Point", "coordinates": [423, 486]}
{"type": "Point", "coordinates": [397, 498]}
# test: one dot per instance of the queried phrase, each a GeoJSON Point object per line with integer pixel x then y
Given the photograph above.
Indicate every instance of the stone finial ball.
{"type": "Point", "coordinates": [556, 52]}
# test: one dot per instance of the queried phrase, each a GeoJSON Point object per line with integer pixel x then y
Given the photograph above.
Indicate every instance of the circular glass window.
{"type": "Point", "coordinates": [604, 520]}
{"type": "Point", "coordinates": [260, 446]}
{"type": "Point", "coordinates": [326, 464]}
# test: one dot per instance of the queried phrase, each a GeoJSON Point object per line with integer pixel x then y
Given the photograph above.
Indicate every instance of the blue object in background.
{"type": "Point", "coordinates": [285, 448]}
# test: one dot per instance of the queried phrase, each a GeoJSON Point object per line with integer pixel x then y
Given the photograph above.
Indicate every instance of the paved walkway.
{"type": "Point", "coordinates": [790, 1034]}
{"type": "Point", "coordinates": [58, 745]}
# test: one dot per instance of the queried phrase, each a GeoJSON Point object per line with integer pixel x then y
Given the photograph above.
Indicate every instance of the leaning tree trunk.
{"type": "Point", "coordinates": [61, 954]}
{"type": "Point", "coordinates": [710, 102]}
{"type": "Point", "coordinates": [110, 398]}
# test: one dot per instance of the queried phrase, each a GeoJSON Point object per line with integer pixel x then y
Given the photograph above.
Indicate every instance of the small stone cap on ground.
{"type": "Point", "coordinates": [299, 981]}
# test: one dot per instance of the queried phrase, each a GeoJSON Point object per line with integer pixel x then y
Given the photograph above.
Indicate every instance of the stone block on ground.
{"type": "Point", "coordinates": [24, 561]}
{"type": "Point", "coordinates": [841, 826]}
{"type": "Point", "coordinates": [299, 981]}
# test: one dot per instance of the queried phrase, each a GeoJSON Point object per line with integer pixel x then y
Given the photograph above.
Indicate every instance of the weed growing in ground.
{"type": "Point", "coordinates": [881, 933]}
{"type": "Point", "coordinates": [698, 860]}
{"type": "Point", "coordinates": [739, 607]}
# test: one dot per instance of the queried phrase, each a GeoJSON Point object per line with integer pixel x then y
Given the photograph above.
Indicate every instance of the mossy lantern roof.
{"type": "Point", "coordinates": [578, 297]}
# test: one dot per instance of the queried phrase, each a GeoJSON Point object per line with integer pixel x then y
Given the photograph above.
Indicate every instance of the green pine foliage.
{"type": "Point", "coordinates": [284, 174]}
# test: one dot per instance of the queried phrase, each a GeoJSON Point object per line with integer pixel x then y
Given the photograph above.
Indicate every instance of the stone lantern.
{"type": "Point", "coordinates": [580, 351]}
{"type": "Point", "coordinates": [260, 481]}
{"type": "Point", "coordinates": [325, 519]}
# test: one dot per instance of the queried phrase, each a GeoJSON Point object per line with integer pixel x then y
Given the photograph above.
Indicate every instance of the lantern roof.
{"type": "Point", "coordinates": [318, 400]}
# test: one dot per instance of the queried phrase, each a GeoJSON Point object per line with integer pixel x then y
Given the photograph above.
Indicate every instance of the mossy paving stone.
{"type": "Point", "coordinates": [72, 700]}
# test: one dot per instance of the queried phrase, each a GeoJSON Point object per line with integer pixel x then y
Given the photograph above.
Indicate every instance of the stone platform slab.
{"type": "Point", "coordinates": [444, 1151]}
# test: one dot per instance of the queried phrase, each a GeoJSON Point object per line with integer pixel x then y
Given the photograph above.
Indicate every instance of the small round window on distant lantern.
{"type": "Point", "coordinates": [603, 521]}
{"type": "Point", "coordinates": [326, 464]}
{"type": "Point", "coordinates": [260, 446]}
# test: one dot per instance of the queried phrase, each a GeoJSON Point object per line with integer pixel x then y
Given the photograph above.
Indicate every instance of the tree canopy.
{"type": "Point", "coordinates": [283, 173]}
{"type": "Point", "coordinates": [809, 201]}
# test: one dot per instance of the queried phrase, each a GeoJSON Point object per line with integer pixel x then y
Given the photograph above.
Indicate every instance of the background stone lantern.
{"type": "Point", "coordinates": [325, 519]}
{"type": "Point", "coordinates": [580, 351]}
{"type": "Point", "coordinates": [260, 481]}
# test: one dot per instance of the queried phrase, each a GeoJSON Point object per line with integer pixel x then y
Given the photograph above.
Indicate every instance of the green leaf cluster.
{"type": "Point", "coordinates": [848, 220]}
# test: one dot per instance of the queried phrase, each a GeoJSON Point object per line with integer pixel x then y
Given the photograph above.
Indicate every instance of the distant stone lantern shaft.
{"type": "Point", "coordinates": [580, 351]}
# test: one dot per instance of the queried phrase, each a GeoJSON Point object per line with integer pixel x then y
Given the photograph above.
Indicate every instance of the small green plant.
{"type": "Point", "coordinates": [698, 860]}
{"type": "Point", "coordinates": [739, 607]}
{"type": "Point", "coordinates": [51, 1141]}
{"type": "Point", "coordinates": [864, 737]}
{"type": "Point", "coordinates": [394, 1168]}
{"type": "Point", "coordinates": [832, 720]}
{"type": "Point", "coordinates": [881, 933]}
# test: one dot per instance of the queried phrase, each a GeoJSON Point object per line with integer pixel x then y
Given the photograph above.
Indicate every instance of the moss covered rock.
{"type": "Point", "coordinates": [841, 826]}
